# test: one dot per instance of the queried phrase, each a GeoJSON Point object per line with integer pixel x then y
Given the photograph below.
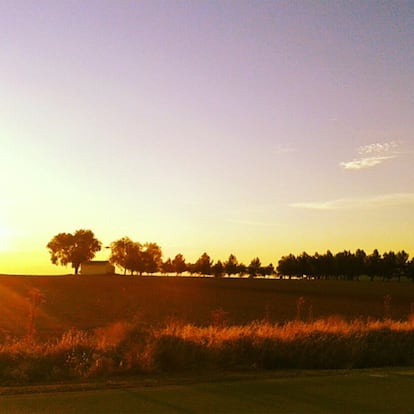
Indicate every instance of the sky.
{"type": "Point", "coordinates": [258, 128]}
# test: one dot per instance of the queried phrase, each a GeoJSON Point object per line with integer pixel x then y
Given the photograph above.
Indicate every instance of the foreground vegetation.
{"type": "Point", "coordinates": [75, 328]}
{"type": "Point", "coordinates": [125, 348]}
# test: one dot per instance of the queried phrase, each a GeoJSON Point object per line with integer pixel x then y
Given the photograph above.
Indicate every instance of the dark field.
{"type": "Point", "coordinates": [86, 302]}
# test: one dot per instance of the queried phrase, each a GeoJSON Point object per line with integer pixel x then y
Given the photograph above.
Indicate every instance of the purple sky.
{"type": "Point", "coordinates": [257, 128]}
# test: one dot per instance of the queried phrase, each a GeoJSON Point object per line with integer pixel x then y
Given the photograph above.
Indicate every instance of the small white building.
{"type": "Point", "coordinates": [97, 267]}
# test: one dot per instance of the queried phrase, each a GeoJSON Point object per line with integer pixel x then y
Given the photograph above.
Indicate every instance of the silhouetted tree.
{"type": "Point", "coordinates": [179, 264]}
{"type": "Point", "coordinates": [305, 264]}
{"type": "Point", "coordinates": [203, 265]}
{"type": "Point", "coordinates": [288, 266]}
{"type": "Point", "coordinates": [409, 270]}
{"type": "Point", "coordinates": [167, 266]}
{"type": "Point", "coordinates": [401, 263]}
{"type": "Point", "coordinates": [231, 266]}
{"type": "Point", "coordinates": [75, 248]}
{"type": "Point", "coordinates": [268, 270]}
{"type": "Point", "coordinates": [151, 259]}
{"type": "Point", "coordinates": [254, 267]}
{"type": "Point", "coordinates": [360, 262]}
{"type": "Point", "coordinates": [346, 265]}
{"type": "Point", "coordinates": [389, 265]}
{"type": "Point", "coordinates": [218, 269]}
{"type": "Point", "coordinates": [326, 265]}
{"type": "Point", "coordinates": [126, 254]}
{"type": "Point", "coordinates": [373, 264]}
{"type": "Point", "coordinates": [241, 269]}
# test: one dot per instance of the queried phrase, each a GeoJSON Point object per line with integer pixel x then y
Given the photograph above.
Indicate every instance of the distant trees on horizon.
{"type": "Point", "coordinates": [135, 257]}
{"type": "Point", "coordinates": [347, 265]}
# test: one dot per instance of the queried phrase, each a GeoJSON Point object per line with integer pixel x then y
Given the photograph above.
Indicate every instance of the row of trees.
{"type": "Point", "coordinates": [348, 265]}
{"type": "Point", "coordinates": [134, 257]}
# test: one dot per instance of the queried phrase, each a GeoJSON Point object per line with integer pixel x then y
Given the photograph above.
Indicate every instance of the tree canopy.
{"type": "Point", "coordinates": [178, 264]}
{"type": "Point", "coordinates": [347, 265]}
{"type": "Point", "coordinates": [65, 248]}
{"type": "Point", "coordinates": [203, 265]}
{"type": "Point", "coordinates": [136, 257]}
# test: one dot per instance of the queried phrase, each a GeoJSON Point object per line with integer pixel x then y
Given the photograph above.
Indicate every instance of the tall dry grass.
{"type": "Point", "coordinates": [131, 348]}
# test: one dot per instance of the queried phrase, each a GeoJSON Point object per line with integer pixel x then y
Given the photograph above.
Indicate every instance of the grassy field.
{"type": "Point", "coordinates": [366, 391]}
{"type": "Point", "coordinates": [88, 302]}
{"type": "Point", "coordinates": [106, 327]}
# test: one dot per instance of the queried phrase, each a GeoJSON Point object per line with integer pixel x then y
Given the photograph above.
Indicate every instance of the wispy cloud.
{"type": "Point", "coordinates": [371, 155]}
{"type": "Point", "coordinates": [367, 162]}
{"type": "Point", "coordinates": [283, 150]}
{"type": "Point", "coordinates": [378, 148]}
{"type": "Point", "coordinates": [385, 200]}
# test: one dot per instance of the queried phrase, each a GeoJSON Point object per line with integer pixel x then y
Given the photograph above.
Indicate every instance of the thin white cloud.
{"type": "Point", "coordinates": [372, 155]}
{"type": "Point", "coordinates": [360, 163]}
{"type": "Point", "coordinates": [378, 148]}
{"type": "Point", "coordinates": [385, 200]}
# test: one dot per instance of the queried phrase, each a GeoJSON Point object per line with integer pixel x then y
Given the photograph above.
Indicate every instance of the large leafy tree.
{"type": "Point", "coordinates": [151, 258]}
{"type": "Point", "coordinates": [288, 266]}
{"type": "Point", "coordinates": [75, 248]}
{"type": "Point", "coordinates": [134, 257]}
{"type": "Point", "coordinates": [126, 254]}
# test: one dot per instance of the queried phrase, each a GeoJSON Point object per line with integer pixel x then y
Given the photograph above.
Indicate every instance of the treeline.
{"type": "Point", "coordinates": [138, 258]}
{"type": "Point", "coordinates": [348, 265]}
{"type": "Point", "coordinates": [134, 257]}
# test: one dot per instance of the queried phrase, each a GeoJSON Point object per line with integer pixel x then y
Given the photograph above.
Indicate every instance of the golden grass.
{"type": "Point", "coordinates": [126, 348]}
